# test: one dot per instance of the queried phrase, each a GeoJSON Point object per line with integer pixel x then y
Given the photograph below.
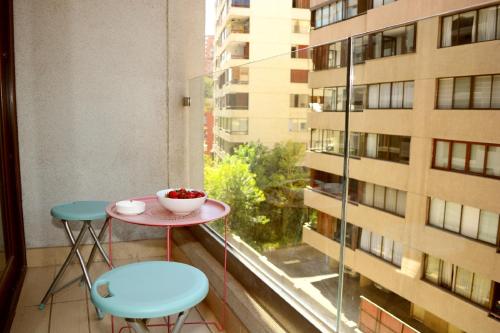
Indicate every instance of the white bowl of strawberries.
{"type": "Point", "coordinates": [181, 201]}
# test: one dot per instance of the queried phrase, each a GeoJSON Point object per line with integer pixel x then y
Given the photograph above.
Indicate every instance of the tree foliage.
{"type": "Point", "coordinates": [264, 187]}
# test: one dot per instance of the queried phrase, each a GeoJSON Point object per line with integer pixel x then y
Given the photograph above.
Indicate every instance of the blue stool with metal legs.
{"type": "Point", "coordinates": [86, 211]}
{"type": "Point", "coordinates": [150, 289]}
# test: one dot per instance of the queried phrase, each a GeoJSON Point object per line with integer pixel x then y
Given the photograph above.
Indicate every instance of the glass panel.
{"type": "Point", "coordinates": [376, 244]}
{"type": "Point", "coordinates": [467, 31]}
{"type": "Point", "coordinates": [397, 95]}
{"type": "Point", "coordinates": [390, 200]}
{"type": "Point", "coordinates": [330, 99]}
{"type": "Point", "coordinates": [446, 274]}
{"type": "Point", "coordinates": [481, 290]}
{"type": "Point", "coordinates": [442, 154]}
{"type": "Point", "coordinates": [458, 156]}
{"type": "Point", "coordinates": [463, 282]}
{"type": "Point", "coordinates": [371, 145]}
{"type": "Point", "coordinates": [401, 206]}
{"type": "Point", "coordinates": [408, 95]}
{"type": "Point", "coordinates": [341, 102]}
{"type": "Point", "coordinates": [493, 161]}
{"type": "Point", "coordinates": [470, 221]}
{"type": "Point", "coordinates": [445, 93]}
{"type": "Point", "coordinates": [368, 194]}
{"type": "Point", "coordinates": [373, 93]}
{"type": "Point", "coordinates": [488, 227]}
{"type": "Point", "coordinates": [397, 256]}
{"type": "Point", "coordinates": [432, 269]}
{"type": "Point", "coordinates": [436, 212]}
{"type": "Point", "coordinates": [365, 240]}
{"type": "Point", "coordinates": [495, 91]}
{"type": "Point", "coordinates": [385, 95]}
{"type": "Point", "coordinates": [325, 13]}
{"type": "Point", "coordinates": [379, 196]}
{"type": "Point", "coordinates": [409, 39]}
{"type": "Point", "coordinates": [461, 94]}
{"type": "Point", "coordinates": [477, 155]}
{"type": "Point", "coordinates": [358, 98]}
{"type": "Point", "coordinates": [387, 249]}
{"type": "Point", "coordinates": [318, 18]}
{"type": "Point", "coordinates": [452, 215]}
{"type": "Point", "coordinates": [486, 24]}
{"type": "Point", "coordinates": [446, 31]}
{"type": "Point", "coordinates": [376, 45]}
{"type": "Point", "coordinates": [482, 92]}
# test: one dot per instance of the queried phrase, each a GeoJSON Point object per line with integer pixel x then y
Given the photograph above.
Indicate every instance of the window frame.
{"type": "Point", "coordinates": [467, 157]}
{"type": "Point", "coordinates": [369, 252]}
{"type": "Point", "coordinates": [471, 92]}
{"type": "Point", "coordinates": [454, 281]}
{"type": "Point", "coordinates": [459, 233]}
{"type": "Point", "coordinates": [367, 106]}
{"type": "Point", "coordinates": [475, 27]}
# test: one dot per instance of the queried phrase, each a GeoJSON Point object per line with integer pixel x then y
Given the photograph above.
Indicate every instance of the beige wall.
{"type": "Point", "coordinates": [92, 94]}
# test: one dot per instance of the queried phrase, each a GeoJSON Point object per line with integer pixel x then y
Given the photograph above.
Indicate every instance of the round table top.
{"type": "Point", "coordinates": [156, 215]}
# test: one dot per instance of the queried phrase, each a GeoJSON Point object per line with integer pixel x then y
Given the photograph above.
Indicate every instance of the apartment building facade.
{"type": "Point", "coordinates": [255, 103]}
{"type": "Point", "coordinates": [423, 209]}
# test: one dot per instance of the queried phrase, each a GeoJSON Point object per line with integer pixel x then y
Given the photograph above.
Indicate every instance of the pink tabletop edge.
{"type": "Point", "coordinates": [190, 219]}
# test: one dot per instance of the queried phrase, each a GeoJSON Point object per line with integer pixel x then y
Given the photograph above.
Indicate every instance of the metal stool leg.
{"type": "Point", "coordinates": [59, 275]}
{"type": "Point", "coordinates": [180, 321]}
{"type": "Point", "coordinates": [97, 243]}
{"type": "Point", "coordinates": [82, 262]}
{"type": "Point", "coordinates": [139, 325]}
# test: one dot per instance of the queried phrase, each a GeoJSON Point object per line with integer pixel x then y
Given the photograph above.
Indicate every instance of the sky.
{"type": "Point", "coordinates": [209, 17]}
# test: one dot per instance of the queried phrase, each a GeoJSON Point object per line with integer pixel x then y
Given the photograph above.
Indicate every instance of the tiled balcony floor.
{"type": "Point", "coordinates": [71, 310]}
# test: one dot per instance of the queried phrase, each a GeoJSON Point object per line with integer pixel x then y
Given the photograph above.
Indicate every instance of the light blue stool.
{"type": "Point", "coordinates": [150, 289]}
{"type": "Point", "coordinates": [86, 211]}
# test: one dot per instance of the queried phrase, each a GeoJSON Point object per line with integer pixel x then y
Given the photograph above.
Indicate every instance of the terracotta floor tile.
{"type": "Point", "coordinates": [69, 317]}
{"type": "Point", "coordinates": [31, 319]}
{"type": "Point", "coordinates": [36, 283]}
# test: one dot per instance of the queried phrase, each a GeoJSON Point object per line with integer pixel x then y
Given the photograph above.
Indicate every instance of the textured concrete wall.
{"type": "Point", "coordinates": [92, 97]}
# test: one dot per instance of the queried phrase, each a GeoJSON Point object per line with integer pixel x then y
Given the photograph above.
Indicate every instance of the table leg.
{"type": "Point", "coordinates": [224, 291]}
{"type": "Point", "coordinates": [110, 255]}
{"type": "Point", "coordinates": [168, 237]}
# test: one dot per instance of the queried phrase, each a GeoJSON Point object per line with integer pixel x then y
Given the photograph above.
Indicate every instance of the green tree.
{"type": "Point", "coordinates": [231, 181]}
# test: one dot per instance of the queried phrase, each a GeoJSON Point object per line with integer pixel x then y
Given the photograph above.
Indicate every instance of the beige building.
{"type": "Point", "coordinates": [424, 190]}
{"type": "Point", "coordinates": [266, 101]}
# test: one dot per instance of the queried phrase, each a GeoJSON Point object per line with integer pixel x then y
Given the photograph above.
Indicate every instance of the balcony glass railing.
{"type": "Point", "coordinates": [403, 236]}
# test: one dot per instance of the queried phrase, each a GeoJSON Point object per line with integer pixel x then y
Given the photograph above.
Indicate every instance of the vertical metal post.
{"type": "Point", "coordinates": [345, 183]}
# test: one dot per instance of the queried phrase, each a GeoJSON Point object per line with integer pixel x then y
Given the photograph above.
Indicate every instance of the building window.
{"type": "Point", "coordinates": [240, 3]}
{"type": "Point", "coordinates": [299, 75]}
{"type": "Point", "coordinates": [383, 198]}
{"type": "Point", "coordinates": [468, 221]}
{"type": "Point", "coordinates": [385, 43]}
{"type": "Point", "coordinates": [237, 101]}
{"type": "Point", "coordinates": [470, 27]}
{"type": "Point", "coordinates": [481, 159]}
{"type": "Point", "coordinates": [392, 148]}
{"type": "Point", "coordinates": [301, 4]}
{"type": "Point", "coordinates": [458, 280]}
{"type": "Point", "coordinates": [330, 56]}
{"type": "Point", "coordinates": [379, 3]}
{"type": "Point", "coordinates": [331, 185]}
{"type": "Point", "coordinates": [381, 246]}
{"type": "Point", "coordinates": [237, 75]}
{"type": "Point", "coordinates": [299, 100]}
{"type": "Point", "coordinates": [297, 125]}
{"type": "Point", "coordinates": [299, 52]}
{"type": "Point", "coordinates": [469, 92]}
{"type": "Point", "coordinates": [300, 26]}
{"type": "Point", "coordinates": [337, 11]}
{"type": "Point", "coordinates": [395, 95]}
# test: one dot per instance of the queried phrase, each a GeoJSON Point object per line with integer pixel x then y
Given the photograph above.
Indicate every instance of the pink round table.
{"type": "Point", "coordinates": [156, 215]}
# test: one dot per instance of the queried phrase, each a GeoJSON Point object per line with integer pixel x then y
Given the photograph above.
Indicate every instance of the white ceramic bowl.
{"type": "Point", "coordinates": [180, 206]}
{"type": "Point", "coordinates": [130, 207]}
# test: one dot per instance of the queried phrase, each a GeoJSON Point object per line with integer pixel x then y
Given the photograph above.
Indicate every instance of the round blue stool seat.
{"type": "Point", "coordinates": [150, 289]}
{"type": "Point", "coordinates": [80, 211]}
